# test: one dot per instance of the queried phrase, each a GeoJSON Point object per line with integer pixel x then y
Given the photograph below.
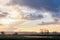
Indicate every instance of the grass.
{"type": "Point", "coordinates": [25, 37]}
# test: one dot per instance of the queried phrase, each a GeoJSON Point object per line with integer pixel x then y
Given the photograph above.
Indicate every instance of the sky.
{"type": "Point", "coordinates": [28, 13]}
{"type": "Point", "coordinates": [46, 5]}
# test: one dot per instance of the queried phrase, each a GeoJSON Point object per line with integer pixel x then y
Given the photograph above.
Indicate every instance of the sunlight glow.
{"type": "Point", "coordinates": [2, 2]}
{"type": "Point", "coordinates": [6, 21]}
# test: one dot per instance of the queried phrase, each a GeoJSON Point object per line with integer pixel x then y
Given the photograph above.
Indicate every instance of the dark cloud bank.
{"type": "Point", "coordinates": [50, 5]}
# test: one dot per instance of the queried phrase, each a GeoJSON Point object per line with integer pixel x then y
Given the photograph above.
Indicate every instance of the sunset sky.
{"type": "Point", "coordinates": [27, 14]}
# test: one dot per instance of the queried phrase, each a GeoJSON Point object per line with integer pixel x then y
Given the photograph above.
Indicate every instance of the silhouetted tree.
{"type": "Point", "coordinates": [41, 31]}
{"type": "Point", "coordinates": [44, 31]}
{"type": "Point", "coordinates": [54, 32]}
{"type": "Point", "coordinates": [15, 33]}
{"type": "Point", "coordinates": [2, 33]}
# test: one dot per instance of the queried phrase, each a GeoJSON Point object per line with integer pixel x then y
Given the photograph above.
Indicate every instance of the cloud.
{"type": "Point", "coordinates": [48, 5]}
{"type": "Point", "coordinates": [33, 11]}
{"type": "Point", "coordinates": [56, 14]}
{"type": "Point", "coordinates": [4, 2]}
{"type": "Point", "coordinates": [3, 14]}
{"type": "Point", "coordinates": [35, 14]}
{"type": "Point", "coordinates": [30, 10]}
{"type": "Point", "coordinates": [31, 14]}
{"type": "Point", "coordinates": [51, 5]}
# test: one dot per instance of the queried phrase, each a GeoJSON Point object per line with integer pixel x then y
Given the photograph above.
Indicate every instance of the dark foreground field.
{"type": "Point", "coordinates": [25, 37]}
{"type": "Point", "coordinates": [29, 36]}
